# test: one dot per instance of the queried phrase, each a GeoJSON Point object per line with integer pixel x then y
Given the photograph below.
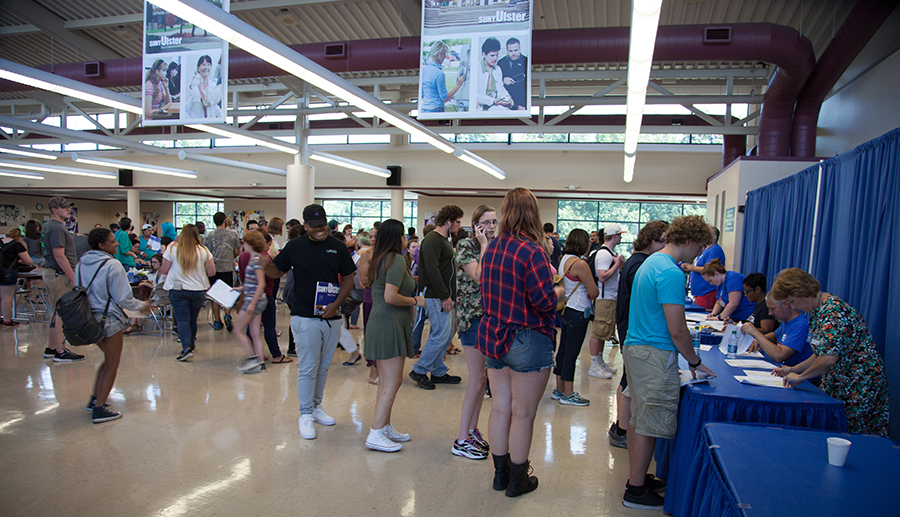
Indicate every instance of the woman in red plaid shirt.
{"type": "Point", "coordinates": [516, 336]}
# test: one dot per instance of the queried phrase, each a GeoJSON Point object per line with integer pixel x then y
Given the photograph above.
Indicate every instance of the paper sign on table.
{"type": "Point", "coordinates": [687, 378]}
{"type": "Point", "coordinates": [758, 373]}
{"type": "Point", "coordinates": [705, 348]}
{"type": "Point", "coordinates": [774, 382]}
{"type": "Point", "coordinates": [750, 363]}
{"type": "Point", "coordinates": [221, 293]}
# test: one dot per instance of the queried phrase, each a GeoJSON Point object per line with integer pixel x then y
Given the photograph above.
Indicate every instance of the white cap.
{"type": "Point", "coordinates": [613, 229]}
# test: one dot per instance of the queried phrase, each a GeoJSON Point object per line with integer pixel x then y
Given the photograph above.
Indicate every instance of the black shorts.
{"type": "Point", "coordinates": [227, 277]}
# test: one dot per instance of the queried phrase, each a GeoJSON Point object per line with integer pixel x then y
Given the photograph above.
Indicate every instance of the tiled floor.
{"type": "Point", "coordinates": [198, 438]}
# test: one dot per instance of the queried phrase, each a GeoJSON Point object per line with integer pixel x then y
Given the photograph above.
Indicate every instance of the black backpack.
{"type": "Point", "coordinates": [74, 309]}
{"type": "Point", "coordinates": [592, 261]}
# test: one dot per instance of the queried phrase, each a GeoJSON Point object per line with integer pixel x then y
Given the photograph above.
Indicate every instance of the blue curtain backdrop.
{"type": "Point", "coordinates": [857, 248]}
{"type": "Point", "coordinates": [778, 225]}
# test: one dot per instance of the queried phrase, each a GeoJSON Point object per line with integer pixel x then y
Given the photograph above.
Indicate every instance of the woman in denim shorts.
{"type": "Point", "coordinates": [254, 304]}
{"type": "Point", "coordinates": [517, 336]}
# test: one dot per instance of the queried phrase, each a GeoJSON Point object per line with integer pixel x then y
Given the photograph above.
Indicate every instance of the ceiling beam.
{"type": "Point", "coordinates": [50, 22]}
{"type": "Point", "coordinates": [411, 14]}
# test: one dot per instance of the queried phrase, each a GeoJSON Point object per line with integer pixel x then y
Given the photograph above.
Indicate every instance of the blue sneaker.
{"type": "Point", "coordinates": [228, 323]}
{"type": "Point", "coordinates": [218, 325]}
{"type": "Point", "coordinates": [574, 400]}
{"type": "Point", "coordinates": [556, 395]}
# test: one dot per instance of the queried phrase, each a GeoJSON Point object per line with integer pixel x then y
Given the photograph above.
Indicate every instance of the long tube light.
{"type": "Point", "coordinates": [347, 163]}
{"type": "Point", "coordinates": [234, 132]}
{"type": "Point", "coordinates": [644, 24]}
{"type": "Point", "coordinates": [22, 174]}
{"type": "Point", "coordinates": [27, 151]}
{"type": "Point", "coordinates": [78, 136]}
{"type": "Point", "coordinates": [473, 159]}
{"type": "Point", "coordinates": [254, 41]}
{"type": "Point", "coordinates": [59, 170]}
{"type": "Point", "coordinates": [64, 86]}
{"type": "Point", "coordinates": [182, 155]}
{"type": "Point", "coordinates": [118, 164]}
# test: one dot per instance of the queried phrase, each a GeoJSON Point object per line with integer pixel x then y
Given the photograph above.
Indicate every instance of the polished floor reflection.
{"type": "Point", "coordinates": [198, 438]}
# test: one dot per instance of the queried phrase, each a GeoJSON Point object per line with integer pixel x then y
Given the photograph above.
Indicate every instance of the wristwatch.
{"type": "Point", "coordinates": [694, 366]}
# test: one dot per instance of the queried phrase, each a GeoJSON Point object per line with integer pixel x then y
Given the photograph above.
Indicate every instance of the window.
{"type": "Point", "coordinates": [190, 213]}
{"type": "Point", "coordinates": [631, 216]}
{"type": "Point", "coordinates": [364, 214]}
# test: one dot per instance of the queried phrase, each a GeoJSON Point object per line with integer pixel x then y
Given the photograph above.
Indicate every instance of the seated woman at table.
{"type": "Point", "coordinates": [844, 352]}
{"type": "Point", "coordinates": [730, 300]}
{"type": "Point", "coordinates": [755, 290]}
{"type": "Point", "coordinates": [787, 345]}
{"type": "Point", "coordinates": [13, 251]}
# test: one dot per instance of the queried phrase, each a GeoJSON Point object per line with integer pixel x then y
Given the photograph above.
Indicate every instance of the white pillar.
{"type": "Point", "coordinates": [301, 188]}
{"type": "Point", "coordinates": [397, 204]}
{"type": "Point", "coordinates": [134, 208]}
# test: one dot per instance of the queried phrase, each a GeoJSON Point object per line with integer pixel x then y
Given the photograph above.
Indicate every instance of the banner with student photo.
{"type": "Point", "coordinates": [474, 61]}
{"type": "Point", "coordinates": [185, 70]}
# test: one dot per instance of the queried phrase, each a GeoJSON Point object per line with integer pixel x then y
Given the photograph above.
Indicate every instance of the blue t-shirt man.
{"type": "Point", "coordinates": [734, 281]}
{"type": "Point", "coordinates": [124, 246]}
{"type": "Point", "coordinates": [659, 281]}
{"type": "Point", "coordinates": [699, 286]}
{"type": "Point", "coordinates": [793, 334]}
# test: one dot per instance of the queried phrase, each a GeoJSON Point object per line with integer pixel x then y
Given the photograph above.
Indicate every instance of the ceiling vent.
{"type": "Point", "coordinates": [716, 35]}
{"type": "Point", "coordinates": [336, 51]}
{"type": "Point", "coordinates": [93, 69]}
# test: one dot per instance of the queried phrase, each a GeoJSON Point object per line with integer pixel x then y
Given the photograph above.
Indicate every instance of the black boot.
{"type": "Point", "coordinates": [501, 471]}
{"type": "Point", "coordinates": [519, 480]}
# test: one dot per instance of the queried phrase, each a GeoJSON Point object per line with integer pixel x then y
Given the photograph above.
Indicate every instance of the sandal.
{"type": "Point", "coordinates": [11, 323]}
{"type": "Point", "coordinates": [130, 329]}
{"type": "Point", "coordinates": [374, 381]}
{"type": "Point", "coordinates": [282, 359]}
{"type": "Point", "coordinates": [453, 351]}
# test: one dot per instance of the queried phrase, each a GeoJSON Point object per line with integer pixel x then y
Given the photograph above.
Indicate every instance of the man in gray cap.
{"type": "Point", "coordinates": [58, 274]}
{"type": "Point", "coordinates": [321, 263]}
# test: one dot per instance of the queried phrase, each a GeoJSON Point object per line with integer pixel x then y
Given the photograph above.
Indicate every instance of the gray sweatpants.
{"type": "Point", "coordinates": [316, 340]}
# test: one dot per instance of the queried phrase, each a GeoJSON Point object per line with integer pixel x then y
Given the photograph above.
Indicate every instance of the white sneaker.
{"type": "Point", "coordinates": [307, 431]}
{"type": "Point", "coordinates": [251, 362]}
{"type": "Point", "coordinates": [609, 368]}
{"type": "Point", "coordinates": [377, 440]}
{"type": "Point", "coordinates": [320, 416]}
{"type": "Point", "coordinates": [598, 371]}
{"type": "Point", "coordinates": [395, 435]}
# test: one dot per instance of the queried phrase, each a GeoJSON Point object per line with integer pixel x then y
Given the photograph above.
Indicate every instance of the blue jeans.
{"type": "Point", "coordinates": [432, 359]}
{"type": "Point", "coordinates": [316, 341]}
{"type": "Point", "coordinates": [574, 328]}
{"type": "Point", "coordinates": [530, 351]}
{"type": "Point", "coordinates": [186, 307]}
{"type": "Point", "coordinates": [418, 327]}
{"type": "Point", "coordinates": [470, 337]}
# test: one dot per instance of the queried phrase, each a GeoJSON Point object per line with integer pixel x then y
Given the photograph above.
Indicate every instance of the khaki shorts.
{"type": "Point", "coordinates": [654, 383]}
{"type": "Point", "coordinates": [56, 286]}
{"type": "Point", "coordinates": [604, 326]}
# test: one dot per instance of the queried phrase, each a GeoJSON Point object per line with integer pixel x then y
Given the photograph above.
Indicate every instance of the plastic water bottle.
{"type": "Point", "coordinates": [732, 345]}
{"type": "Point", "coordinates": [695, 337]}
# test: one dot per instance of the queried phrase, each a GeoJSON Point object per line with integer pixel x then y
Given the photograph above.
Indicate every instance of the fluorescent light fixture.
{"type": "Point", "coordinates": [59, 170]}
{"type": "Point", "coordinates": [78, 136]}
{"type": "Point", "coordinates": [644, 24]}
{"type": "Point", "coordinates": [473, 159]}
{"type": "Point", "coordinates": [22, 174]}
{"type": "Point", "coordinates": [27, 151]}
{"type": "Point", "coordinates": [65, 86]}
{"type": "Point", "coordinates": [182, 155]}
{"type": "Point", "coordinates": [238, 133]}
{"type": "Point", "coordinates": [347, 163]}
{"type": "Point", "coordinates": [118, 164]}
{"type": "Point", "coordinates": [267, 48]}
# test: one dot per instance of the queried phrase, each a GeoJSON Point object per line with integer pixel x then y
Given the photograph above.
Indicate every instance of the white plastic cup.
{"type": "Point", "coordinates": [837, 451]}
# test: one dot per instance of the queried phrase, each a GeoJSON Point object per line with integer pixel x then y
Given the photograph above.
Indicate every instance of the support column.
{"type": "Point", "coordinates": [397, 204]}
{"type": "Point", "coordinates": [301, 188]}
{"type": "Point", "coordinates": [134, 208]}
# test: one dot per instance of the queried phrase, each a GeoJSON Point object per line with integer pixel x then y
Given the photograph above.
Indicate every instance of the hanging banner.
{"type": "Point", "coordinates": [475, 59]}
{"type": "Point", "coordinates": [185, 70]}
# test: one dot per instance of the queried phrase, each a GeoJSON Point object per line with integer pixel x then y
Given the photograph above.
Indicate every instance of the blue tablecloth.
{"type": "Point", "coordinates": [690, 306]}
{"type": "Point", "coordinates": [754, 470]}
{"type": "Point", "coordinates": [726, 400]}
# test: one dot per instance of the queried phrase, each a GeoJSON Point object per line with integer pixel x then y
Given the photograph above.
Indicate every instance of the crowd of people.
{"type": "Point", "coordinates": [505, 288]}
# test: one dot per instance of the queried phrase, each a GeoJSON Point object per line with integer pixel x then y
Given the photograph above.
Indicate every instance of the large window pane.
{"type": "Point", "coordinates": [661, 211]}
{"type": "Point", "coordinates": [614, 212]}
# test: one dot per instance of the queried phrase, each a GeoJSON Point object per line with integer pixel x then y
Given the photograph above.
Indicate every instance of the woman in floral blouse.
{"type": "Point", "coordinates": [845, 354]}
{"type": "Point", "coordinates": [470, 444]}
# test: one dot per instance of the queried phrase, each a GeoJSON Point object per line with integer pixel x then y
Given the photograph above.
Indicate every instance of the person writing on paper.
{"type": "Point", "coordinates": [730, 300]}
{"type": "Point", "coordinates": [788, 344]}
{"type": "Point", "coordinates": [844, 353]}
{"type": "Point", "coordinates": [755, 290]}
{"type": "Point", "coordinates": [657, 333]}
{"type": "Point", "coordinates": [705, 294]}
{"type": "Point", "coordinates": [187, 265]}
{"type": "Point", "coordinates": [434, 83]}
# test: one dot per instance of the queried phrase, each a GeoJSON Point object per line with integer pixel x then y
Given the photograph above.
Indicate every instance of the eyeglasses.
{"type": "Point", "coordinates": [492, 222]}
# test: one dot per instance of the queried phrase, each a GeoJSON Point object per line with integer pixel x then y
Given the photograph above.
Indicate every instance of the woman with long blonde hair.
{"type": "Point", "coordinates": [187, 265]}
{"type": "Point", "coordinates": [517, 336]}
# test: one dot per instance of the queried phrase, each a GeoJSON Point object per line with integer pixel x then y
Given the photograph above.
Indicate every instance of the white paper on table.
{"type": "Point", "coordinates": [744, 340]}
{"type": "Point", "coordinates": [687, 378]}
{"type": "Point", "coordinates": [750, 363]}
{"type": "Point", "coordinates": [758, 373]}
{"type": "Point", "coordinates": [754, 355]}
{"type": "Point", "coordinates": [222, 294]}
{"type": "Point", "coordinates": [775, 382]}
{"type": "Point", "coordinates": [695, 316]}
{"type": "Point", "coordinates": [705, 348]}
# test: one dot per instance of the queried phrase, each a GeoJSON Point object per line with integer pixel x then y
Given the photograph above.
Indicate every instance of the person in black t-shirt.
{"type": "Point", "coordinates": [755, 291]}
{"type": "Point", "coordinates": [650, 239]}
{"type": "Point", "coordinates": [322, 267]}
{"type": "Point", "coordinates": [14, 250]}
